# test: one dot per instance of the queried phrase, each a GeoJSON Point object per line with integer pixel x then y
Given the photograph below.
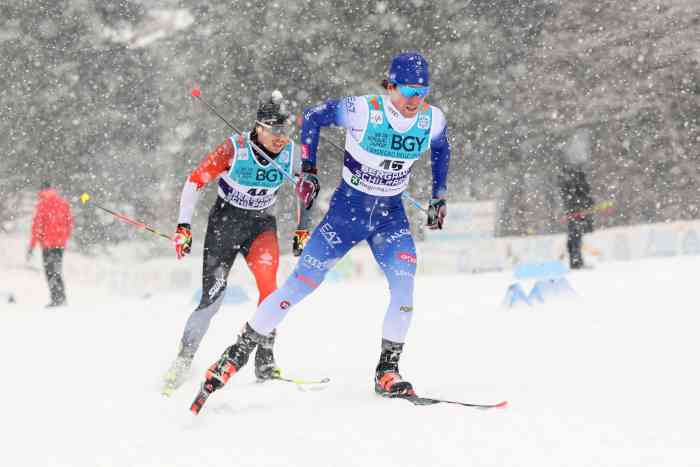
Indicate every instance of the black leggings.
{"type": "Point", "coordinates": [232, 230]}
{"type": "Point", "coordinates": [53, 267]}
{"type": "Point", "coordinates": [576, 229]}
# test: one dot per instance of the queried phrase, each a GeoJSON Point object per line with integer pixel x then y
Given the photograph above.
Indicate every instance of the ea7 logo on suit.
{"type": "Point", "coordinates": [330, 235]}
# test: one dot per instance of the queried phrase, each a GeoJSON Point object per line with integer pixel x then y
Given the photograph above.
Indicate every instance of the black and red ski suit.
{"type": "Point", "coordinates": [230, 230]}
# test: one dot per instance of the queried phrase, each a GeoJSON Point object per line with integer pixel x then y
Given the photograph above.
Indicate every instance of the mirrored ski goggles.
{"type": "Point", "coordinates": [409, 91]}
{"type": "Point", "coordinates": [278, 130]}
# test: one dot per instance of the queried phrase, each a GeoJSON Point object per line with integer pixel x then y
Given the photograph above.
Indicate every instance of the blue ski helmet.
{"type": "Point", "coordinates": [409, 68]}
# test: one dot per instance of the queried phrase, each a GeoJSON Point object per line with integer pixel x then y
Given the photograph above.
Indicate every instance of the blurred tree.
{"type": "Point", "coordinates": [96, 96]}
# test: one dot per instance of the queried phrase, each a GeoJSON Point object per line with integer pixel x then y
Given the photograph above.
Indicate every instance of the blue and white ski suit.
{"type": "Point", "coordinates": [380, 147]}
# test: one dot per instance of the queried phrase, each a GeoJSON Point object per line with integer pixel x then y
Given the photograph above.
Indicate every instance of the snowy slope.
{"type": "Point", "coordinates": [609, 379]}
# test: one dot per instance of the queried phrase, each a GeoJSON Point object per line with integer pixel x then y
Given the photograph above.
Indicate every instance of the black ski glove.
{"type": "Point", "coordinates": [437, 211]}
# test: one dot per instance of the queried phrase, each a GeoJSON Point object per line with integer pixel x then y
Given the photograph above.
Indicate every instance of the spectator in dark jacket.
{"type": "Point", "coordinates": [576, 194]}
{"type": "Point", "coordinates": [51, 229]}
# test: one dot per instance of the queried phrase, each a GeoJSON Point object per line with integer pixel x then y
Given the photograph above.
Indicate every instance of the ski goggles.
{"type": "Point", "coordinates": [277, 130]}
{"type": "Point", "coordinates": [408, 91]}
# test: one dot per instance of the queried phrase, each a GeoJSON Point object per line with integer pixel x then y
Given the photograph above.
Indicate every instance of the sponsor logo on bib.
{"type": "Point", "coordinates": [376, 117]}
{"type": "Point", "coordinates": [423, 122]}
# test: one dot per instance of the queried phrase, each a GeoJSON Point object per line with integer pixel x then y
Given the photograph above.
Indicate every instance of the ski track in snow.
{"type": "Point", "coordinates": [606, 379]}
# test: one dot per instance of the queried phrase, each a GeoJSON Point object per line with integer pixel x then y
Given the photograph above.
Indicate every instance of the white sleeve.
{"type": "Point", "coordinates": [353, 114]}
{"type": "Point", "coordinates": [188, 201]}
{"type": "Point", "coordinates": [296, 160]}
{"type": "Point", "coordinates": [439, 123]}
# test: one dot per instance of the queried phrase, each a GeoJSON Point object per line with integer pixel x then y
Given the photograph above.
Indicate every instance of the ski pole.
{"type": "Point", "coordinates": [85, 197]}
{"type": "Point", "coordinates": [196, 93]}
{"type": "Point", "coordinates": [602, 208]}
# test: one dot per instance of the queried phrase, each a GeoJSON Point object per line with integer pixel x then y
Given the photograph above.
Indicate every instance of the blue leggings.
{"type": "Point", "coordinates": [352, 217]}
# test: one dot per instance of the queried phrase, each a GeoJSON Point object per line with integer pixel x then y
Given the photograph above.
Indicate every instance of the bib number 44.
{"type": "Point", "coordinates": [257, 191]}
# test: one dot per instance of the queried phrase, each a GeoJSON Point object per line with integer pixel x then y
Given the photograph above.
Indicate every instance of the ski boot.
{"type": "Point", "coordinates": [178, 372]}
{"type": "Point", "coordinates": [387, 379]}
{"type": "Point", "coordinates": [232, 360]}
{"type": "Point", "coordinates": [265, 367]}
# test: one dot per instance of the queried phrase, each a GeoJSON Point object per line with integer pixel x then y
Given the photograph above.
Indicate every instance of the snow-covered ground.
{"type": "Point", "coordinates": [608, 379]}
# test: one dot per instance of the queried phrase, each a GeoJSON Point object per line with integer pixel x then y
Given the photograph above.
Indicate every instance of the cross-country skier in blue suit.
{"type": "Point", "coordinates": [385, 135]}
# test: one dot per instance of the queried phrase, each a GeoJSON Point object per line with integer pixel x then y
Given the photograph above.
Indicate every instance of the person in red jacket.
{"type": "Point", "coordinates": [51, 228]}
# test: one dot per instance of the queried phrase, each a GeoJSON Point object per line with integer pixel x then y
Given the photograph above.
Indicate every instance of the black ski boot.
{"type": "Point", "coordinates": [265, 367]}
{"type": "Point", "coordinates": [232, 360]}
{"type": "Point", "coordinates": [387, 380]}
